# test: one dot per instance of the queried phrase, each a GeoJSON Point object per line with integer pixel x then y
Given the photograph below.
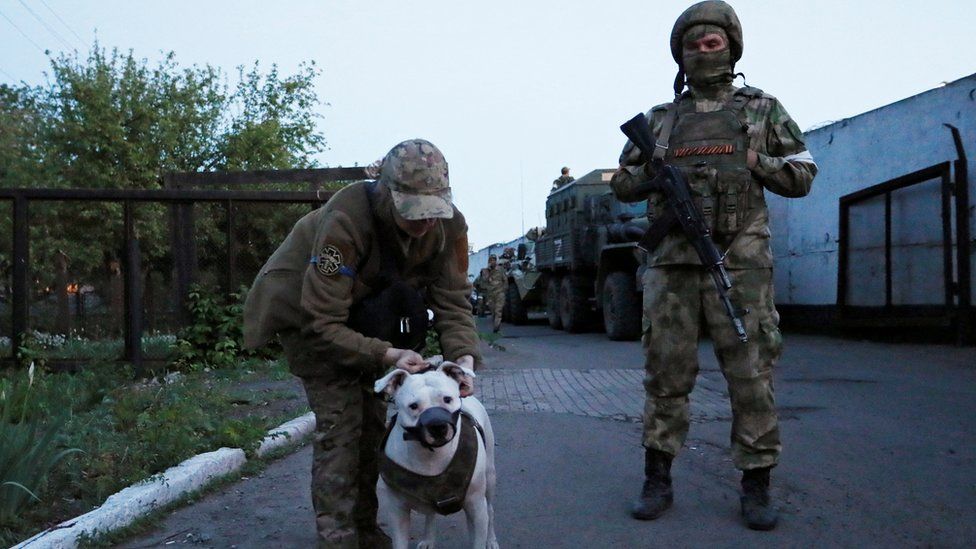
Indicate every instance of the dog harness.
{"type": "Point", "coordinates": [444, 492]}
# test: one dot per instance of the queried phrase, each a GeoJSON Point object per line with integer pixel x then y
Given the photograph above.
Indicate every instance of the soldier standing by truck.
{"type": "Point", "coordinates": [729, 144]}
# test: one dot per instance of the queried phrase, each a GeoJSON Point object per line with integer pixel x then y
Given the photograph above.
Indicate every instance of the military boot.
{"type": "Point", "coordinates": [757, 510]}
{"type": "Point", "coordinates": [656, 495]}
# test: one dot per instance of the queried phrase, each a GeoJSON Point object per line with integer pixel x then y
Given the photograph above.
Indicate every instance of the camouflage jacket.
{"type": "Point", "coordinates": [784, 167]}
{"type": "Point", "coordinates": [497, 281]}
{"type": "Point", "coordinates": [562, 180]}
{"type": "Point", "coordinates": [313, 296]}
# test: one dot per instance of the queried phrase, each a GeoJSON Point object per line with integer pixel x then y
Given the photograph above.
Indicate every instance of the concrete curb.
{"type": "Point", "coordinates": [129, 504]}
{"type": "Point", "coordinates": [287, 433]}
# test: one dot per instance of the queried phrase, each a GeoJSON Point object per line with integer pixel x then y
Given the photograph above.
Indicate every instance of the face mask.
{"type": "Point", "coordinates": [706, 70]}
{"type": "Point", "coordinates": [433, 417]}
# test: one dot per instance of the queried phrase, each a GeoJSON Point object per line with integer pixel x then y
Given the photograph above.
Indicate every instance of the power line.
{"type": "Point", "coordinates": [66, 25]}
{"type": "Point", "coordinates": [46, 26]}
{"type": "Point", "coordinates": [8, 75]}
{"type": "Point", "coordinates": [22, 33]}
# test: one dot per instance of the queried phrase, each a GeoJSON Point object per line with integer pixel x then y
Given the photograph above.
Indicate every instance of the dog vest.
{"type": "Point", "coordinates": [444, 492]}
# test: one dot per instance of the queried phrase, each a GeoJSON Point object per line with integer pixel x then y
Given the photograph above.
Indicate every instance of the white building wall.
{"type": "Point", "coordinates": [860, 152]}
{"type": "Point", "coordinates": [479, 260]}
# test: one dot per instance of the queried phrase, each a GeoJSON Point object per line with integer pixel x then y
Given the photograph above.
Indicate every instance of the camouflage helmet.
{"type": "Point", "coordinates": [416, 173]}
{"type": "Point", "coordinates": [709, 12]}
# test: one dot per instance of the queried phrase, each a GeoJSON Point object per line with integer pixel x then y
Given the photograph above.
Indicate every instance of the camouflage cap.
{"type": "Point", "coordinates": [416, 173]}
{"type": "Point", "coordinates": [710, 12]}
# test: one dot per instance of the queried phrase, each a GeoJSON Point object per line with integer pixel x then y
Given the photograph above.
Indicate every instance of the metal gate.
{"type": "Point", "coordinates": [904, 253]}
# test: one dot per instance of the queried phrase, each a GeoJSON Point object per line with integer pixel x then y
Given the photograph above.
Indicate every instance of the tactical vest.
{"type": "Point", "coordinates": [711, 149]}
{"type": "Point", "coordinates": [444, 492]}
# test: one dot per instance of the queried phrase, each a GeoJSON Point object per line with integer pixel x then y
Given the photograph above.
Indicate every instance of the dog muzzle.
{"type": "Point", "coordinates": [435, 427]}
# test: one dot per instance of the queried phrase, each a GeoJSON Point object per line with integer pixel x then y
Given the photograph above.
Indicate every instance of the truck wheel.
{"type": "Point", "coordinates": [573, 306]}
{"type": "Point", "coordinates": [552, 303]}
{"type": "Point", "coordinates": [621, 307]}
{"type": "Point", "coordinates": [516, 309]}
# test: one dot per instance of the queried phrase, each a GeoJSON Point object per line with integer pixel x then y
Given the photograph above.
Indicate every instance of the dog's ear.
{"type": "Point", "coordinates": [391, 381]}
{"type": "Point", "coordinates": [462, 375]}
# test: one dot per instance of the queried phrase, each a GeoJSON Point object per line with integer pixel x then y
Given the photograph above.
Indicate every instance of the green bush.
{"type": "Point", "coordinates": [214, 337]}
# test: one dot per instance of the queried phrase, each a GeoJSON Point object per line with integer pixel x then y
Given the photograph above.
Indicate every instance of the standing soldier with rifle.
{"type": "Point", "coordinates": [710, 263]}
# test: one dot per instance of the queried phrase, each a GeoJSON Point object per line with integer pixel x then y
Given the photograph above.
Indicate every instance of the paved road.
{"type": "Point", "coordinates": [880, 450]}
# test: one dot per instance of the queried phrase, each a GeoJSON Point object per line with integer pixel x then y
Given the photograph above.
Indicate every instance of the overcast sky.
{"type": "Point", "coordinates": [512, 90]}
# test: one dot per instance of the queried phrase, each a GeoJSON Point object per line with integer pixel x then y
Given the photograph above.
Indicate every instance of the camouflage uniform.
{"type": "Point", "coordinates": [709, 141]}
{"type": "Point", "coordinates": [481, 286]}
{"type": "Point", "coordinates": [307, 303]}
{"type": "Point", "coordinates": [562, 180]}
{"type": "Point", "coordinates": [497, 288]}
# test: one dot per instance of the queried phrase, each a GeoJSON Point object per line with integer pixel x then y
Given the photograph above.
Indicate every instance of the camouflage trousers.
{"type": "Point", "coordinates": [681, 300]}
{"type": "Point", "coordinates": [350, 422]}
{"type": "Point", "coordinates": [496, 304]}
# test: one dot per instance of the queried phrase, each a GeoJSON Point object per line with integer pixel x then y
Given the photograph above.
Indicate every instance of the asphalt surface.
{"type": "Point", "coordinates": [879, 451]}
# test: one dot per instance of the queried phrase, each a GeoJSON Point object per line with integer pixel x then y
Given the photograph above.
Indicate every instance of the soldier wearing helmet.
{"type": "Point", "coordinates": [732, 145]}
{"type": "Point", "coordinates": [347, 293]}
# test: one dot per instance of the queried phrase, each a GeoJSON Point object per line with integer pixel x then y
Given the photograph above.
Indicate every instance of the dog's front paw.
{"type": "Point", "coordinates": [425, 544]}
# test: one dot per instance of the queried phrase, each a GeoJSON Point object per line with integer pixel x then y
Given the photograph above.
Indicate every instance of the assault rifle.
{"type": "Point", "coordinates": [680, 211]}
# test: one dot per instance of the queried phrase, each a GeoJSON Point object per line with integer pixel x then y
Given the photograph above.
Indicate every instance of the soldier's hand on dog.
{"type": "Point", "coordinates": [404, 359]}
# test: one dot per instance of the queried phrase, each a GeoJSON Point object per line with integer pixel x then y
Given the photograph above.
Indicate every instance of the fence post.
{"type": "Point", "coordinates": [21, 252]}
{"type": "Point", "coordinates": [133, 293]}
{"type": "Point", "coordinates": [231, 248]}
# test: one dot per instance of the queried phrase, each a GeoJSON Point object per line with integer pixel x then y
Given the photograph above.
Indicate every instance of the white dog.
{"type": "Point", "coordinates": [438, 455]}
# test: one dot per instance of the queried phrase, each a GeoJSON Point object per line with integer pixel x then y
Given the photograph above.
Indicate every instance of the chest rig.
{"type": "Point", "coordinates": [710, 148]}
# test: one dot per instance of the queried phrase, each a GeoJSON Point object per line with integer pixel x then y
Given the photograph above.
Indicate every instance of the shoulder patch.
{"type": "Point", "coordinates": [329, 261]}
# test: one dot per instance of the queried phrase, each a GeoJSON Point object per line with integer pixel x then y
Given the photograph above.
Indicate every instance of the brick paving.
{"type": "Point", "coordinates": [611, 394]}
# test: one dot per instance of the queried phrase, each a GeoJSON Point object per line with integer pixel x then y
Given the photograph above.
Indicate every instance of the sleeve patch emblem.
{"type": "Point", "coordinates": [329, 261]}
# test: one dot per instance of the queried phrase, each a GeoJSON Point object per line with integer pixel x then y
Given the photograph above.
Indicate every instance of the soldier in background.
{"type": "Point", "coordinates": [497, 285]}
{"type": "Point", "coordinates": [563, 179]}
{"type": "Point", "coordinates": [731, 144]}
{"type": "Point", "coordinates": [481, 287]}
{"type": "Point", "coordinates": [372, 246]}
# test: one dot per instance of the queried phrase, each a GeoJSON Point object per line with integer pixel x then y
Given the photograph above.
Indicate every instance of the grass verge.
{"type": "Point", "coordinates": [128, 431]}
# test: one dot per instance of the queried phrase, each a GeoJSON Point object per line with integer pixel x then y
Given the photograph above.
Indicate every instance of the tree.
{"type": "Point", "coordinates": [110, 120]}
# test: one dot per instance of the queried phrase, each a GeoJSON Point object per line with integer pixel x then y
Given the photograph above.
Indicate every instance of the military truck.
{"type": "Point", "coordinates": [586, 261]}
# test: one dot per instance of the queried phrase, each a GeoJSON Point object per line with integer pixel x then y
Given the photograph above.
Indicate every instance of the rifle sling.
{"type": "Point", "coordinates": [661, 147]}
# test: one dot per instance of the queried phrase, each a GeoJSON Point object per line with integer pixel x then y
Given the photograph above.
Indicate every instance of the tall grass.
{"type": "Point", "coordinates": [31, 448]}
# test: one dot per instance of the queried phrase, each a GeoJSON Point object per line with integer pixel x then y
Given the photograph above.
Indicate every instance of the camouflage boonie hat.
{"type": "Point", "coordinates": [710, 12]}
{"type": "Point", "coordinates": [416, 173]}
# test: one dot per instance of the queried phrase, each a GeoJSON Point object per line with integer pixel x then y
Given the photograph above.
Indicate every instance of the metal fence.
{"type": "Point", "coordinates": [183, 202]}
